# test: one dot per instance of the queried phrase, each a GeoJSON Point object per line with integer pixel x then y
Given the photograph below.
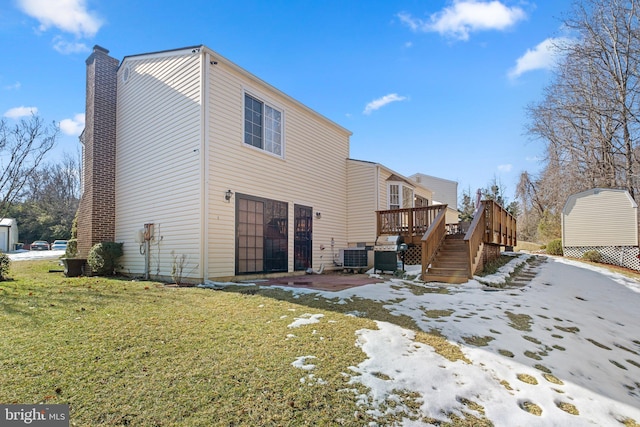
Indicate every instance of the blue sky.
{"type": "Point", "coordinates": [434, 86]}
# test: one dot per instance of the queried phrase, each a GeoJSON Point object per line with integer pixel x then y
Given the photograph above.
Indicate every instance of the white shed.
{"type": "Point", "coordinates": [8, 234]}
{"type": "Point", "coordinates": [605, 220]}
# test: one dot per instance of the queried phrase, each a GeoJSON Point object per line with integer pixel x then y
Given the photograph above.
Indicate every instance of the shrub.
{"type": "Point", "coordinates": [593, 256]}
{"type": "Point", "coordinates": [178, 267]}
{"type": "Point", "coordinates": [5, 261]}
{"type": "Point", "coordinates": [103, 256]}
{"type": "Point", "coordinates": [554, 247]}
{"type": "Point", "coordinates": [72, 248]}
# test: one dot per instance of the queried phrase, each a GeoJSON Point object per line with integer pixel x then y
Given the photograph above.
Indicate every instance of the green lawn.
{"type": "Point", "coordinates": [124, 352]}
{"type": "Point", "coordinates": [138, 353]}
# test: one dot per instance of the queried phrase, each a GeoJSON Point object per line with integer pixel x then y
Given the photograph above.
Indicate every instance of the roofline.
{"type": "Point", "coordinates": [404, 178]}
{"type": "Point", "coordinates": [200, 49]}
{"type": "Point", "coordinates": [434, 177]}
{"type": "Point", "coordinates": [596, 190]}
{"type": "Point", "coordinates": [161, 53]}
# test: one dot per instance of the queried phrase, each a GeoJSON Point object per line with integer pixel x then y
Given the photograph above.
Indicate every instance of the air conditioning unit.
{"type": "Point", "coordinates": [354, 258]}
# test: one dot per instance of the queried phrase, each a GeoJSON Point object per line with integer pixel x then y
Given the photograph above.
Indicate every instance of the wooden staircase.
{"type": "Point", "coordinates": [451, 262]}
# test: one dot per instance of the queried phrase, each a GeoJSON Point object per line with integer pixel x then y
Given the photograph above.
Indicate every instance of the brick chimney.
{"type": "Point", "coordinates": [96, 213]}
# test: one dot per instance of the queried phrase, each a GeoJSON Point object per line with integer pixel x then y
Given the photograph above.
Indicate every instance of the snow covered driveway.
{"type": "Point", "coordinates": [562, 350]}
{"type": "Point", "coordinates": [25, 255]}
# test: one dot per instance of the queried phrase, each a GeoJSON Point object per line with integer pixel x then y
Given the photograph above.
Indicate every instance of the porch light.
{"type": "Point", "coordinates": [227, 195]}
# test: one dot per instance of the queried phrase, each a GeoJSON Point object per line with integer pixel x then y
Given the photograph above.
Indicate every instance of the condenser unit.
{"type": "Point", "coordinates": [354, 258]}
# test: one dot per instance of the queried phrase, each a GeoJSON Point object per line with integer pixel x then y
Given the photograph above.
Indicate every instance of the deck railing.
{"type": "Point", "coordinates": [426, 226]}
{"type": "Point", "coordinates": [491, 224]}
{"type": "Point", "coordinates": [408, 222]}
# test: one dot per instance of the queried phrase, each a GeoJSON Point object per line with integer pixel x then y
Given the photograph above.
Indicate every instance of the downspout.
{"type": "Point", "coordinates": [204, 166]}
{"type": "Point", "coordinates": [377, 184]}
{"type": "Point", "coordinates": [377, 193]}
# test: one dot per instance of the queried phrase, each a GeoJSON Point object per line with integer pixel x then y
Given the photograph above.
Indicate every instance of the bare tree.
{"type": "Point", "coordinates": [49, 201]}
{"type": "Point", "coordinates": [22, 149]}
{"type": "Point", "coordinates": [588, 118]}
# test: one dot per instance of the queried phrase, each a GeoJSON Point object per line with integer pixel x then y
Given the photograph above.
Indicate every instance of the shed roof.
{"type": "Point", "coordinates": [571, 200]}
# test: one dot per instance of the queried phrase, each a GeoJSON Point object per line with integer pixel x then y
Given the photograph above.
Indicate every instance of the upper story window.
{"type": "Point", "coordinates": [400, 196]}
{"type": "Point", "coordinates": [394, 196]}
{"type": "Point", "coordinates": [262, 125]}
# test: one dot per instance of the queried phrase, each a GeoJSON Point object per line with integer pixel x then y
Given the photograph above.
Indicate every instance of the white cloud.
{"type": "Point", "coordinates": [542, 57]}
{"type": "Point", "coordinates": [466, 16]}
{"type": "Point", "coordinates": [66, 47]}
{"type": "Point", "coordinates": [505, 168]}
{"type": "Point", "coordinates": [376, 104]}
{"type": "Point", "coordinates": [73, 126]}
{"type": "Point", "coordinates": [15, 86]}
{"type": "Point", "coordinates": [70, 16]}
{"type": "Point", "coordinates": [18, 112]}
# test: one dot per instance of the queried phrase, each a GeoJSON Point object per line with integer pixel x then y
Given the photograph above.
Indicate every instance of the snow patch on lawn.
{"type": "Point", "coordinates": [567, 342]}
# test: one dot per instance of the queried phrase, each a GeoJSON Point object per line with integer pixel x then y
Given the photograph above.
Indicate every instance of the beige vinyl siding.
{"type": "Point", "coordinates": [452, 216]}
{"type": "Point", "coordinates": [600, 217]}
{"type": "Point", "coordinates": [312, 173]}
{"type": "Point", "coordinates": [444, 190]}
{"type": "Point", "coordinates": [368, 192]}
{"type": "Point", "coordinates": [362, 203]}
{"type": "Point", "coordinates": [383, 186]}
{"type": "Point", "coordinates": [423, 192]}
{"type": "Point", "coordinates": [158, 160]}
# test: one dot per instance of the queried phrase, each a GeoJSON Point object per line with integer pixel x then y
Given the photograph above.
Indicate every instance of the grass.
{"type": "Point", "coordinates": [138, 353]}
{"type": "Point", "coordinates": [527, 246]}
{"type": "Point", "coordinates": [478, 341]}
{"type": "Point", "coordinates": [531, 408]}
{"type": "Point", "coordinates": [122, 352]}
{"type": "Point", "coordinates": [568, 407]}
{"type": "Point", "coordinates": [526, 378]}
{"type": "Point", "coordinates": [493, 266]}
{"type": "Point", "coordinates": [521, 322]}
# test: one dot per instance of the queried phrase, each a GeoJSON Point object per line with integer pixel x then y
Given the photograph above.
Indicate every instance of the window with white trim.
{"type": "Point", "coordinates": [407, 197]}
{"type": "Point", "coordinates": [394, 196]}
{"type": "Point", "coordinates": [262, 125]}
{"type": "Point", "coordinates": [400, 196]}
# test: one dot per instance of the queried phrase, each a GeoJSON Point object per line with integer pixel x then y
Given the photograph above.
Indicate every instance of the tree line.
{"type": "Point", "coordinates": [42, 196]}
{"type": "Point", "coordinates": [588, 120]}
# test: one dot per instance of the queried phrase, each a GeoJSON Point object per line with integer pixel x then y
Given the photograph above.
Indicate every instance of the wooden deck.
{"type": "Point", "coordinates": [450, 252]}
{"type": "Point", "coordinates": [410, 223]}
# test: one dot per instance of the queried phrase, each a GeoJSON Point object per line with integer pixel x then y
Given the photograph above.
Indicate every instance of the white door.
{"type": "Point", "coordinates": [4, 239]}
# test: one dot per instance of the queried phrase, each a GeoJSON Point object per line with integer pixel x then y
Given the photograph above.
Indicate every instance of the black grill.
{"type": "Point", "coordinates": [385, 253]}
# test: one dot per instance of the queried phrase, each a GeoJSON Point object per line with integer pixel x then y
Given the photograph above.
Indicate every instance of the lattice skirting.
{"type": "Point", "coordinates": [624, 256]}
{"type": "Point", "coordinates": [413, 256]}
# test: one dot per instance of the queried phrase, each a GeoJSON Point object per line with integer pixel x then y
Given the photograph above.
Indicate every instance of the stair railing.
{"type": "Point", "coordinates": [433, 237]}
{"type": "Point", "coordinates": [475, 237]}
{"type": "Point", "coordinates": [491, 224]}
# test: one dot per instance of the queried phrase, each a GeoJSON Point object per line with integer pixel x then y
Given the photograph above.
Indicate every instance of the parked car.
{"type": "Point", "coordinates": [40, 245]}
{"type": "Point", "coordinates": [59, 245]}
